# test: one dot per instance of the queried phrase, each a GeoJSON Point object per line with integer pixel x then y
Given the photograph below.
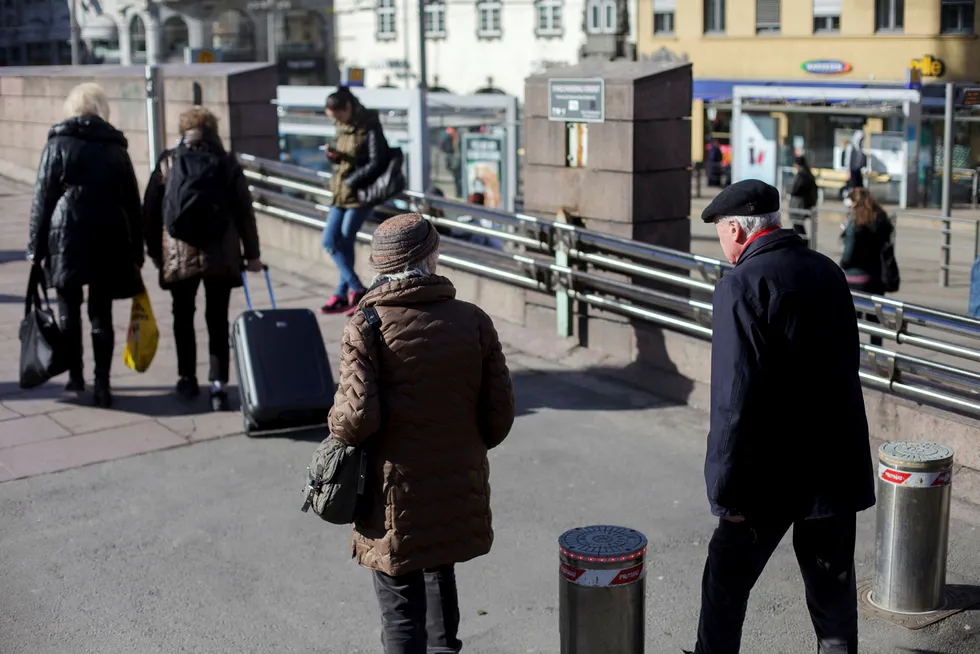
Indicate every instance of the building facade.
{"type": "Point", "coordinates": [38, 32]}
{"type": "Point", "coordinates": [478, 45]}
{"type": "Point", "coordinates": [845, 44]}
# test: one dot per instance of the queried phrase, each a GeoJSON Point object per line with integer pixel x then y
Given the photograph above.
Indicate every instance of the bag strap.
{"type": "Point", "coordinates": [374, 321]}
{"type": "Point", "coordinates": [37, 290]}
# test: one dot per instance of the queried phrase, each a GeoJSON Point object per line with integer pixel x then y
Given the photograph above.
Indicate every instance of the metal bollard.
{"type": "Point", "coordinates": [602, 590]}
{"type": "Point", "coordinates": [914, 484]}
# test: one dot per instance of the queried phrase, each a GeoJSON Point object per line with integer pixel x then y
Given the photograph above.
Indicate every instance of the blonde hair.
{"type": "Point", "coordinates": [87, 99]}
{"type": "Point", "coordinates": [197, 117]}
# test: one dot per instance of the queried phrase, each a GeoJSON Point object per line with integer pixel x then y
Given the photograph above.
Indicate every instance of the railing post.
{"type": "Point", "coordinates": [912, 528]}
{"type": "Point", "coordinates": [945, 249]}
{"type": "Point", "coordinates": [156, 129]}
{"type": "Point", "coordinates": [563, 303]}
{"type": "Point", "coordinates": [814, 223]}
{"type": "Point", "coordinates": [602, 590]}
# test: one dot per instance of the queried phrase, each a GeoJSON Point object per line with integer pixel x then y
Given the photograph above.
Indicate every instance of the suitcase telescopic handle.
{"type": "Point", "coordinates": [268, 283]}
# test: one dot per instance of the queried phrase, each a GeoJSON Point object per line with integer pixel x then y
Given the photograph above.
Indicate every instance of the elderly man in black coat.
{"type": "Point", "coordinates": [788, 444]}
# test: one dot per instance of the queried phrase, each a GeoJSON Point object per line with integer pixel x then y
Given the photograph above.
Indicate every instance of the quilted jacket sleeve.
{"type": "Point", "coordinates": [356, 412]}
{"type": "Point", "coordinates": [47, 192]}
{"type": "Point", "coordinates": [153, 211]}
{"type": "Point", "coordinates": [496, 405]}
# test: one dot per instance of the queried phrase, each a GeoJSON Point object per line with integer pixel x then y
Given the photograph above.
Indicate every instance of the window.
{"type": "Point", "coordinates": [889, 15]}
{"type": "Point", "coordinates": [601, 17]}
{"type": "Point", "coordinates": [826, 15]}
{"type": "Point", "coordinates": [385, 14]}
{"type": "Point", "coordinates": [663, 16]}
{"type": "Point", "coordinates": [767, 16]}
{"type": "Point", "coordinates": [714, 16]}
{"type": "Point", "coordinates": [488, 14]}
{"type": "Point", "coordinates": [137, 40]}
{"type": "Point", "coordinates": [435, 19]}
{"type": "Point", "coordinates": [956, 16]}
{"type": "Point", "coordinates": [549, 16]}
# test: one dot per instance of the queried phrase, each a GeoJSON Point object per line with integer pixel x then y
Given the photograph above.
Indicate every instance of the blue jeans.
{"type": "Point", "coordinates": [339, 237]}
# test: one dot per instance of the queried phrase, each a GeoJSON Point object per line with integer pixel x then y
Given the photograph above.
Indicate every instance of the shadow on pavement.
{"type": "Point", "coordinates": [11, 299]}
{"type": "Point", "coordinates": [314, 434]}
{"type": "Point", "coordinates": [592, 389]}
{"type": "Point", "coordinates": [6, 256]}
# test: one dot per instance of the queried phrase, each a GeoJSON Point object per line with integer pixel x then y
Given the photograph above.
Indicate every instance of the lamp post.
{"type": "Point", "coordinates": [423, 106]}
{"type": "Point", "coordinates": [76, 45]}
{"type": "Point", "coordinates": [271, 9]}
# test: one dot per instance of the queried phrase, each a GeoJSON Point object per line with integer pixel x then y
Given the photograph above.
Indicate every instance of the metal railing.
{"type": "Point", "coordinates": [936, 354]}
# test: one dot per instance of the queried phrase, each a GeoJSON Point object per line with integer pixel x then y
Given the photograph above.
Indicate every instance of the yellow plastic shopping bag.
{"type": "Point", "coordinates": [143, 334]}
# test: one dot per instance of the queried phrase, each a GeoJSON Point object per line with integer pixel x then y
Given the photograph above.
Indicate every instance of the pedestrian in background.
{"type": "Point", "coordinates": [217, 264]}
{"type": "Point", "coordinates": [359, 159]}
{"type": "Point", "coordinates": [427, 392]}
{"type": "Point", "coordinates": [85, 228]}
{"type": "Point", "coordinates": [866, 235]}
{"type": "Point", "coordinates": [475, 238]}
{"type": "Point", "coordinates": [784, 342]}
{"type": "Point", "coordinates": [803, 195]}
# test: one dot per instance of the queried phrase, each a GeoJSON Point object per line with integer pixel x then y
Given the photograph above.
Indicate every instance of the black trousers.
{"type": "Point", "coordinates": [419, 612]}
{"type": "Point", "coordinates": [100, 317]}
{"type": "Point", "coordinates": [738, 553]}
{"type": "Point", "coordinates": [217, 296]}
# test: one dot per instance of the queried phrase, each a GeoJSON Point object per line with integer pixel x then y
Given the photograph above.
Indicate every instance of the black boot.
{"type": "Point", "coordinates": [76, 382]}
{"type": "Point", "coordinates": [103, 343]}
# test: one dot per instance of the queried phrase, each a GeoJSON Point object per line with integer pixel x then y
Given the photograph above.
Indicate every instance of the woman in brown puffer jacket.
{"type": "Point", "coordinates": [427, 391]}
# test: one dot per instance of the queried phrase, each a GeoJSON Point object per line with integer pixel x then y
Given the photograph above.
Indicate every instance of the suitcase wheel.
{"type": "Point", "coordinates": [247, 424]}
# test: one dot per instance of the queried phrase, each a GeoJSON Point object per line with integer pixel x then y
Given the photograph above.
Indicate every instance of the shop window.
{"type": "Point", "coordinates": [663, 16]}
{"type": "Point", "coordinates": [387, 26]}
{"type": "Point", "coordinates": [234, 34]}
{"type": "Point", "coordinates": [714, 16]}
{"type": "Point", "coordinates": [956, 16]}
{"type": "Point", "coordinates": [549, 17]}
{"type": "Point", "coordinates": [300, 32]}
{"type": "Point", "coordinates": [435, 19]}
{"type": "Point", "coordinates": [889, 15]}
{"type": "Point", "coordinates": [137, 40]}
{"type": "Point", "coordinates": [601, 17]}
{"type": "Point", "coordinates": [488, 14]}
{"type": "Point", "coordinates": [826, 15]}
{"type": "Point", "coordinates": [766, 16]}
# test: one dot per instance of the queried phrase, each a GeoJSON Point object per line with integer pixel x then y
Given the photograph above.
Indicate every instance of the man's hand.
{"type": "Point", "coordinates": [254, 265]}
{"type": "Point", "coordinates": [734, 518]}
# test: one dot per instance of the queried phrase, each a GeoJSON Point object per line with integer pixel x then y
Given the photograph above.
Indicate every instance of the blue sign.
{"type": "Point", "coordinates": [826, 67]}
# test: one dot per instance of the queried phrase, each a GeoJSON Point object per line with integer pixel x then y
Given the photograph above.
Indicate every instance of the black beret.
{"type": "Point", "coordinates": [749, 197]}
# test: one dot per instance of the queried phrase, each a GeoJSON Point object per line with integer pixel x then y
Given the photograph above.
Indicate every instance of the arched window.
{"type": "Point", "coordinates": [234, 34]}
{"type": "Point", "coordinates": [300, 31]}
{"type": "Point", "coordinates": [137, 40]}
{"type": "Point", "coordinates": [601, 17]}
{"type": "Point", "coordinates": [175, 38]}
{"type": "Point", "coordinates": [549, 17]}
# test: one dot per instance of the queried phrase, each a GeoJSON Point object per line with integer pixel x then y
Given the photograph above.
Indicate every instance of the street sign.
{"type": "Point", "coordinates": [577, 100]}
{"type": "Point", "coordinates": [202, 55]}
{"type": "Point", "coordinates": [354, 76]}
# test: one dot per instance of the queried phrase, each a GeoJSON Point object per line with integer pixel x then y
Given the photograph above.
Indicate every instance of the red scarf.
{"type": "Point", "coordinates": [768, 230]}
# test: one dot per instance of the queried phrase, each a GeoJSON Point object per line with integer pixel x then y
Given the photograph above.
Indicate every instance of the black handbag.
{"type": "Point", "coordinates": [42, 345]}
{"type": "Point", "coordinates": [389, 183]}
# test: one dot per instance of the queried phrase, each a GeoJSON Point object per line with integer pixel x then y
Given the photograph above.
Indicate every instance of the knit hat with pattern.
{"type": "Point", "coordinates": [405, 239]}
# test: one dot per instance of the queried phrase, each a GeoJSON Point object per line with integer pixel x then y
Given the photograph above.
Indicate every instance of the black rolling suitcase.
{"type": "Point", "coordinates": [284, 375]}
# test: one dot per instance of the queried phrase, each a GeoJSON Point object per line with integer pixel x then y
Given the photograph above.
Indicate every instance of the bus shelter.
{"type": "Point", "coordinates": [772, 124]}
{"type": "Point", "coordinates": [469, 144]}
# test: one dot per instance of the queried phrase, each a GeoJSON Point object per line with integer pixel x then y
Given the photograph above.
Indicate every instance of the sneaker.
{"type": "Point", "coordinates": [187, 388]}
{"type": "Point", "coordinates": [219, 400]}
{"type": "Point", "coordinates": [336, 304]}
{"type": "Point", "coordinates": [353, 299]}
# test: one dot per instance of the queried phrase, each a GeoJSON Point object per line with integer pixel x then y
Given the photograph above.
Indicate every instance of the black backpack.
{"type": "Point", "coordinates": [194, 198]}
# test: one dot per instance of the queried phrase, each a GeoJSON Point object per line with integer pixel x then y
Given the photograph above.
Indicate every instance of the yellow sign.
{"type": "Point", "coordinates": [205, 57]}
{"type": "Point", "coordinates": [929, 66]}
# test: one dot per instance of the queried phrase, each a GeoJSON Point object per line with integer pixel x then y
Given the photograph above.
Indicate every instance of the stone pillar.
{"type": "Point", "coordinates": [199, 32]}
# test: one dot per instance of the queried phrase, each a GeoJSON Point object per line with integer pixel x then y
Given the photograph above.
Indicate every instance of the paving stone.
{"type": "Point", "coordinates": [74, 451]}
{"type": "Point", "coordinates": [88, 419]}
{"type": "Point", "coordinates": [29, 430]}
{"type": "Point", "coordinates": [206, 426]}
{"type": "Point", "coordinates": [30, 405]}
{"type": "Point", "coordinates": [7, 414]}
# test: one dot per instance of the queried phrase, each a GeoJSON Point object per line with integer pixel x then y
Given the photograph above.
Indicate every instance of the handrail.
{"type": "Point", "coordinates": [572, 262]}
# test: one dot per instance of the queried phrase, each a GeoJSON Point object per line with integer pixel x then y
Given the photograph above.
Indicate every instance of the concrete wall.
{"type": "Point", "coordinates": [31, 101]}
{"type": "Point", "coordinates": [667, 363]}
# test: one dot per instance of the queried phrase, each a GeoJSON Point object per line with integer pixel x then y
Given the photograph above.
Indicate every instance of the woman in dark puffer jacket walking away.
{"type": "Point", "coordinates": [85, 228]}
{"type": "Point", "coordinates": [218, 266]}
{"type": "Point", "coordinates": [433, 368]}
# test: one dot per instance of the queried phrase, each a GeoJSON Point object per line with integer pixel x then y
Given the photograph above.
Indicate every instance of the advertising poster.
{"type": "Point", "coordinates": [887, 153]}
{"type": "Point", "coordinates": [483, 167]}
{"type": "Point", "coordinates": [756, 149]}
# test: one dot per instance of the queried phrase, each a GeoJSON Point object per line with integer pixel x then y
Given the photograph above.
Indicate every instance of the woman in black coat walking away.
{"type": "Point", "coordinates": [867, 233]}
{"type": "Point", "coordinates": [803, 195]}
{"type": "Point", "coordinates": [86, 227]}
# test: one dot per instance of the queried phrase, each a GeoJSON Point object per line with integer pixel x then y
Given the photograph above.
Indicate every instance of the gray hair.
{"type": "Point", "coordinates": [422, 268]}
{"type": "Point", "coordinates": [752, 225]}
{"type": "Point", "coordinates": [87, 99]}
